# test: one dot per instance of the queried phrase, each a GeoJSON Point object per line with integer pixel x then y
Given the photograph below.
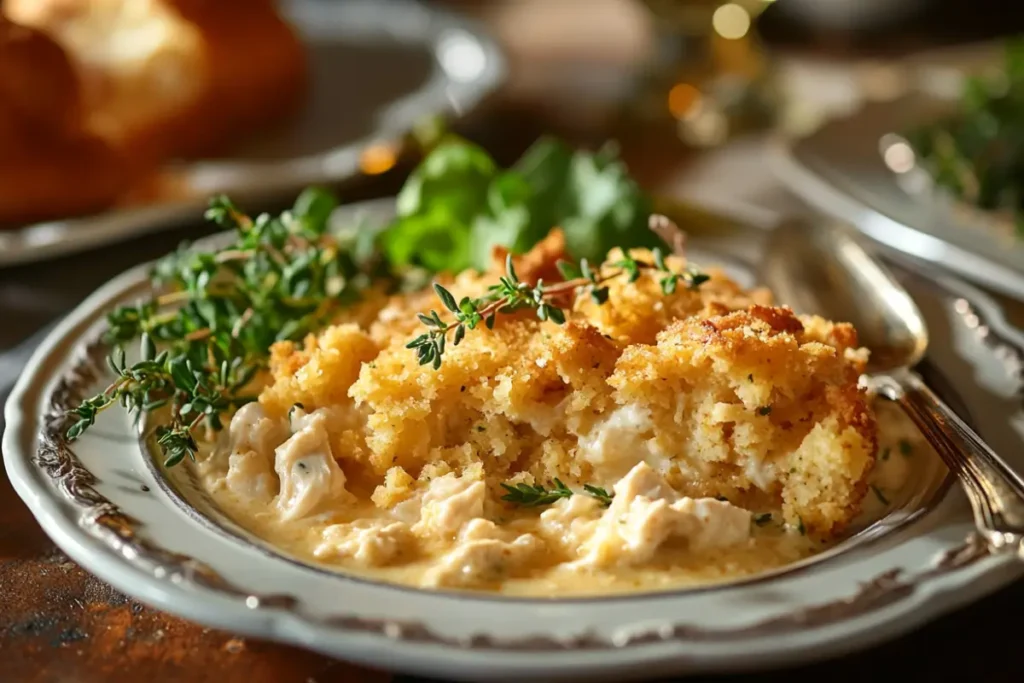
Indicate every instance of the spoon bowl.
{"type": "Point", "coordinates": [825, 271]}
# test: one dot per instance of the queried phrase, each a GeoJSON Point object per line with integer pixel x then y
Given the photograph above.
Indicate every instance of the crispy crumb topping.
{"type": "Point", "coordinates": [717, 389]}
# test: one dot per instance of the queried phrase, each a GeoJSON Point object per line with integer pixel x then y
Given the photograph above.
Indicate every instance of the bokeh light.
{"type": "Point", "coordinates": [899, 157]}
{"type": "Point", "coordinates": [683, 99]}
{"type": "Point", "coordinates": [731, 21]}
{"type": "Point", "coordinates": [378, 158]}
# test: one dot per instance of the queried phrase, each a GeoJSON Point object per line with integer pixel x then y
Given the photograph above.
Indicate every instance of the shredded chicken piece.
{"type": "Point", "coordinates": [370, 543]}
{"type": "Point", "coordinates": [482, 556]}
{"type": "Point", "coordinates": [449, 503]}
{"type": "Point", "coordinates": [310, 477]}
{"type": "Point", "coordinates": [570, 521]}
{"type": "Point", "coordinates": [253, 437]}
{"type": "Point", "coordinates": [645, 513]}
{"type": "Point", "coordinates": [250, 476]}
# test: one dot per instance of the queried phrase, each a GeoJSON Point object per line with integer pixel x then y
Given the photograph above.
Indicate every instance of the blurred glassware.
{"type": "Point", "coordinates": [709, 79]}
{"type": "Point", "coordinates": [850, 15]}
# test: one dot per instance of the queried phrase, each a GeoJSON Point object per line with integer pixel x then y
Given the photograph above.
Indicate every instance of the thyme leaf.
{"type": "Point", "coordinates": [535, 495]}
{"type": "Point", "coordinates": [601, 494]}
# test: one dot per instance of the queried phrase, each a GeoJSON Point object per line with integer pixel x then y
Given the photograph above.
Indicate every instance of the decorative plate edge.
{"type": "Point", "coordinates": [106, 522]}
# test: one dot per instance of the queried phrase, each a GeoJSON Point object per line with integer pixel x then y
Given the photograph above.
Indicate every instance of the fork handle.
{"type": "Point", "coordinates": [995, 491]}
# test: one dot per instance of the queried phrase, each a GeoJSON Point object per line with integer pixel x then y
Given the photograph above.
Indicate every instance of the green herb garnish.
{"type": "Point", "coordinates": [220, 311]}
{"type": "Point", "coordinates": [763, 518]}
{"type": "Point", "coordinates": [511, 294]}
{"type": "Point", "coordinates": [905, 448]}
{"type": "Point", "coordinates": [764, 411]}
{"type": "Point", "coordinates": [535, 495]}
{"type": "Point", "coordinates": [458, 205]}
{"type": "Point", "coordinates": [601, 494]}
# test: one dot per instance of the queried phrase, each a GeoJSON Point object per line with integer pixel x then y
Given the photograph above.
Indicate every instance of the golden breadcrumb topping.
{"type": "Point", "coordinates": [720, 392]}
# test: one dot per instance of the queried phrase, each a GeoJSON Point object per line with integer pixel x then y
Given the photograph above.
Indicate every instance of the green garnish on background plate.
{"type": "Point", "coordinates": [977, 155]}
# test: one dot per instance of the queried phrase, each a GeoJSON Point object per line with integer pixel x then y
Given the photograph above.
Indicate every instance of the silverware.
{"type": "Point", "coordinates": [827, 272]}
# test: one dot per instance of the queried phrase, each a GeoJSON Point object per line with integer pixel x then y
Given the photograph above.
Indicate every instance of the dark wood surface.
{"type": "Point", "coordinates": [59, 624]}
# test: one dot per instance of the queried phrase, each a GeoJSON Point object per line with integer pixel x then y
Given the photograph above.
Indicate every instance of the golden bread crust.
{"type": "Point", "coordinates": [171, 78]}
{"type": "Point", "coordinates": [51, 164]}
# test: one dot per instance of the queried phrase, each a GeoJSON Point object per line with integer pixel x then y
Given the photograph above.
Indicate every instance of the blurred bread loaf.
{"type": "Point", "coordinates": [51, 164]}
{"type": "Point", "coordinates": [164, 79]}
{"type": "Point", "coordinates": [176, 77]}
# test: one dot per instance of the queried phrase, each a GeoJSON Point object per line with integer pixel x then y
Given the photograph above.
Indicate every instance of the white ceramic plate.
{"type": "Point", "coordinates": [104, 503]}
{"type": "Point", "coordinates": [377, 68]}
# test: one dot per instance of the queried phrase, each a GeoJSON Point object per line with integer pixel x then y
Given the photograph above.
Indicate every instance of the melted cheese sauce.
{"type": "Point", "coordinates": [454, 535]}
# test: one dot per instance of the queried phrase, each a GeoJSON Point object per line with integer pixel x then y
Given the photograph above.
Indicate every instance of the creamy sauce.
{"type": "Point", "coordinates": [282, 482]}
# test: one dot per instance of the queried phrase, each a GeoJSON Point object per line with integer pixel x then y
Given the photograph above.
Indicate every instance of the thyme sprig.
{"type": "Point", "coordinates": [511, 294]}
{"type": "Point", "coordinates": [535, 495]}
{"type": "Point", "coordinates": [206, 334]}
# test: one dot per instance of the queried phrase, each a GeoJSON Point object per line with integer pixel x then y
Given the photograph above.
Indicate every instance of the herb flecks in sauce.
{"type": "Point", "coordinates": [878, 494]}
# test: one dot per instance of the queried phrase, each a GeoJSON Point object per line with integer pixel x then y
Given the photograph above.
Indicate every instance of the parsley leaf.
{"type": "Point", "coordinates": [458, 205]}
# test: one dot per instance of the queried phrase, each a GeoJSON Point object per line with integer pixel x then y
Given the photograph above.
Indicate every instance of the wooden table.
{"type": "Point", "coordinates": [58, 623]}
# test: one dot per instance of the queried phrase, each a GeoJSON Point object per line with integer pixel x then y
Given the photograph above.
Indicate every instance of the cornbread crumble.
{"type": "Point", "coordinates": [693, 410]}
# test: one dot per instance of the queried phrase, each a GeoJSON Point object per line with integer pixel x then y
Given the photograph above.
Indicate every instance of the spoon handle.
{"type": "Point", "coordinates": [995, 491]}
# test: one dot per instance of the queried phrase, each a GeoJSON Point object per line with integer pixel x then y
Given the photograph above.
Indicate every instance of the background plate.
{"type": "Point", "coordinates": [839, 169]}
{"type": "Point", "coordinates": [425, 62]}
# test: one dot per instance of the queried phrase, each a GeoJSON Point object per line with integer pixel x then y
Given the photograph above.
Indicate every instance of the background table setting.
{"type": "Point", "coordinates": [749, 109]}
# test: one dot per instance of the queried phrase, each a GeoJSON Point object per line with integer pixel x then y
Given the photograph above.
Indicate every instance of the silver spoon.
{"type": "Point", "coordinates": [825, 271]}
